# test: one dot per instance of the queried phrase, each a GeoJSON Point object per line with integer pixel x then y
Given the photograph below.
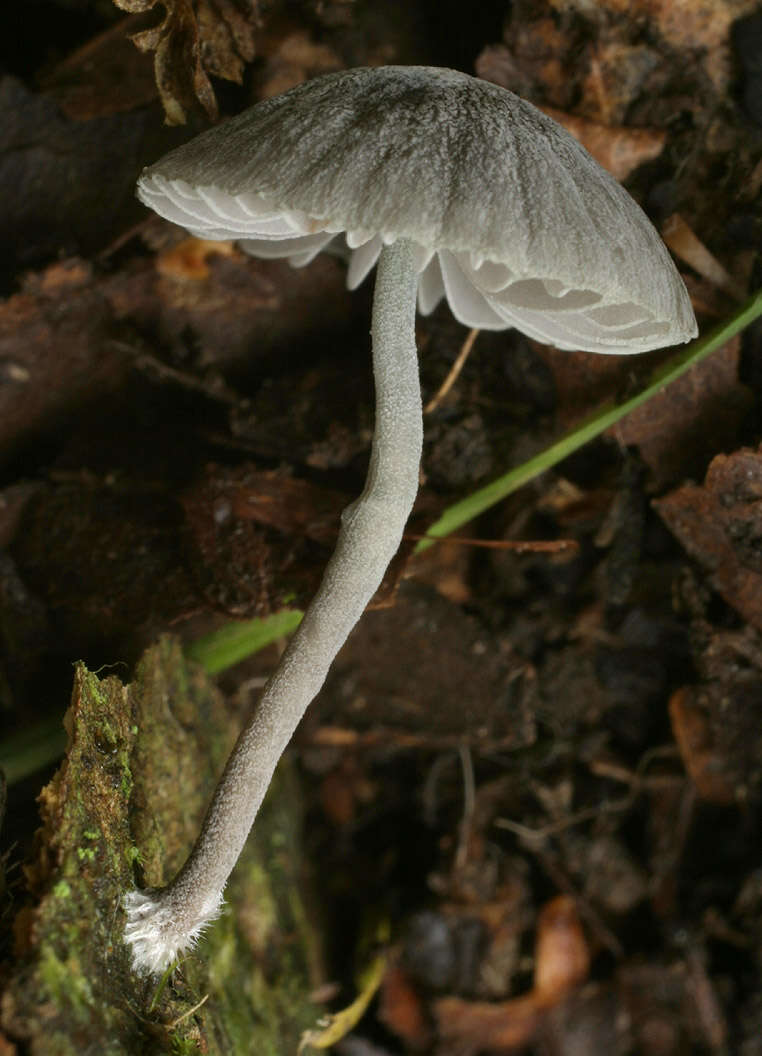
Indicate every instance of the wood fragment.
{"type": "Point", "coordinates": [685, 244]}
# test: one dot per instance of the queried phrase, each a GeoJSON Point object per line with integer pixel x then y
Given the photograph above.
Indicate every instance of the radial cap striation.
{"type": "Point", "coordinates": [512, 220]}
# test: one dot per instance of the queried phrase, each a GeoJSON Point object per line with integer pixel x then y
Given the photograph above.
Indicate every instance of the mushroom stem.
{"type": "Point", "coordinates": [162, 923]}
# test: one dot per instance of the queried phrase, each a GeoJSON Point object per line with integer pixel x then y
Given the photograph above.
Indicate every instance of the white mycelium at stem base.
{"type": "Point", "coordinates": [161, 924]}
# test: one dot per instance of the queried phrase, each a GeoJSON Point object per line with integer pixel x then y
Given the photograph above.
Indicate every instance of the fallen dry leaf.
{"type": "Point", "coordinates": [179, 71]}
{"type": "Point", "coordinates": [685, 244]}
{"type": "Point", "coordinates": [700, 25]}
{"type": "Point", "coordinates": [692, 730]}
{"type": "Point", "coordinates": [620, 150]}
{"type": "Point", "coordinates": [401, 1008]}
{"type": "Point", "coordinates": [533, 61]}
{"type": "Point", "coordinates": [57, 355]}
{"type": "Point", "coordinates": [290, 505]}
{"type": "Point", "coordinates": [393, 703]}
{"type": "Point", "coordinates": [716, 723]}
{"type": "Point", "coordinates": [708, 300]}
{"type": "Point", "coordinates": [292, 59]}
{"type": "Point", "coordinates": [226, 31]}
{"type": "Point", "coordinates": [562, 956]}
{"type": "Point", "coordinates": [249, 534]}
{"type": "Point", "coordinates": [189, 259]}
{"type": "Point", "coordinates": [478, 1026]}
{"type": "Point", "coordinates": [192, 41]}
{"type": "Point", "coordinates": [562, 962]}
{"type": "Point", "coordinates": [720, 524]}
{"type": "Point", "coordinates": [619, 72]}
{"type": "Point", "coordinates": [679, 428]}
{"type": "Point", "coordinates": [105, 76]}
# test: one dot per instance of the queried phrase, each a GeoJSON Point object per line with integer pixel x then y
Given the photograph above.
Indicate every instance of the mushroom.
{"type": "Point", "coordinates": [455, 188]}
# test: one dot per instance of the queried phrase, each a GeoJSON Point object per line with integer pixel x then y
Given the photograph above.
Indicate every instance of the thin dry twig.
{"type": "Point", "coordinates": [686, 244]}
{"type": "Point", "coordinates": [453, 374]}
{"type": "Point", "coordinates": [636, 779]}
{"type": "Point", "coordinates": [469, 806]}
{"type": "Point", "coordinates": [521, 546]}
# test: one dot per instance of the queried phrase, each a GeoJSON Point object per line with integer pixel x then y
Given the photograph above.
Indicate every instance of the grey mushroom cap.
{"type": "Point", "coordinates": [511, 218]}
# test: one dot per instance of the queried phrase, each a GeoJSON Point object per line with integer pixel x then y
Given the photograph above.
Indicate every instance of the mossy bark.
{"type": "Point", "coordinates": [123, 809]}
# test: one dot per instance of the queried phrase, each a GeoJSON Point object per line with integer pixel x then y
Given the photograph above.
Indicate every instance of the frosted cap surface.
{"type": "Point", "coordinates": [511, 218]}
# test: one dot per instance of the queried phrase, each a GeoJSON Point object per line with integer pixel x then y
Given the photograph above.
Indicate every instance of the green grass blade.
{"type": "Point", "coordinates": [235, 641]}
{"type": "Point", "coordinates": [31, 750]}
{"type": "Point", "coordinates": [479, 501]}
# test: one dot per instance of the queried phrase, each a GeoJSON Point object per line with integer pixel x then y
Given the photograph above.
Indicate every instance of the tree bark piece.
{"type": "Point", "coordinates": [125, 805]}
